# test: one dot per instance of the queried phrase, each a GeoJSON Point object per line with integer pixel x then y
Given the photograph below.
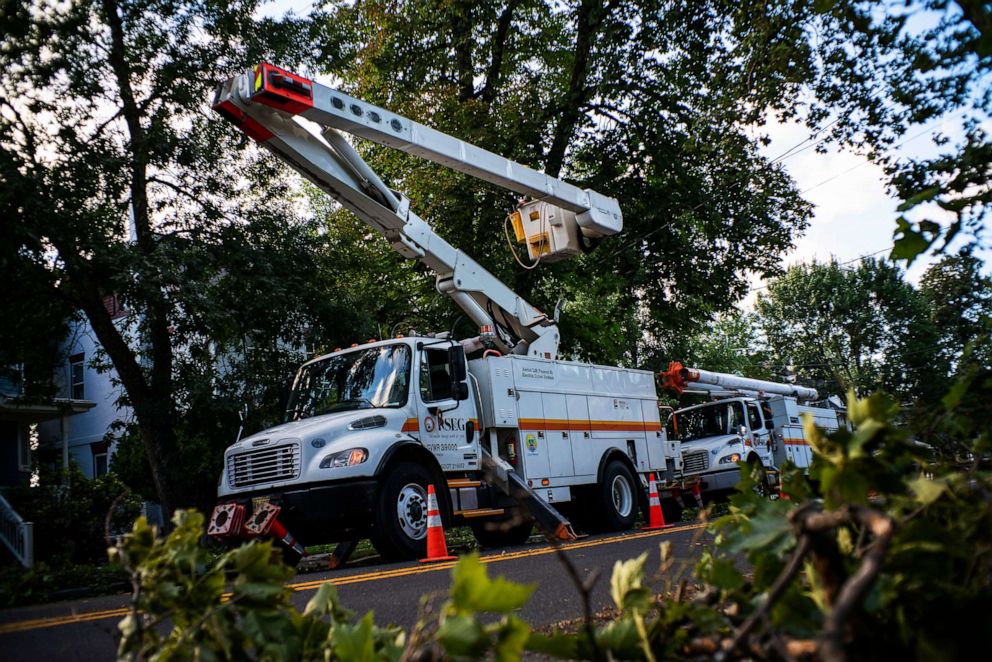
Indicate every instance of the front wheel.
{"type": "Point", "coordinates": [759, 475]}
{"type": "Point", "coordinates": [399, 527]}
{"type": "Point", "coordinates": [618, 494]}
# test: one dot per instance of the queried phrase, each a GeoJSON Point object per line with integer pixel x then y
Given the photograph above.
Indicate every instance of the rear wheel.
{"type": "Point", "coordinates": [399, 528]}
{"type": "Point", "coordinates": [618, 497]}
{"type": "Point", "coordinates": [502, 533]}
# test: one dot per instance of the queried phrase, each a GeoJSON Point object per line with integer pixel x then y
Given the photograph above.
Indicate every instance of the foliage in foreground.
{"type": "Point", "coordinates": [888, 556]}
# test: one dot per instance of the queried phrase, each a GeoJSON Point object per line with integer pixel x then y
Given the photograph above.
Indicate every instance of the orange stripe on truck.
{"type": "Point", "coordinates": [790, 441]}
{"type": "Point", "coordinates": [586, 425]}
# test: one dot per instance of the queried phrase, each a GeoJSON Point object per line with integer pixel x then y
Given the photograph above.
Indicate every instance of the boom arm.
{"type": "Point", "coordinates": [265, 102]}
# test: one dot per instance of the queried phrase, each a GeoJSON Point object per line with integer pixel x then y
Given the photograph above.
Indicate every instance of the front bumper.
{"type": "Point", "coordinates": [720, 481]}
{"type": "Point", "coordinates": [319, 512]}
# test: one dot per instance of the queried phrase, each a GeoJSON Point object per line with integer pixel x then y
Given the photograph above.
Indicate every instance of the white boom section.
{"type": "Point", "coordinates": [681, 378]}
{"type": "Point", "coordinates": [596, 214]}
{"type": "Point", "coordinates": [265, 102]}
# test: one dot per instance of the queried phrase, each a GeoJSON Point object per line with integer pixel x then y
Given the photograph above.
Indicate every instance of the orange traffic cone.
{"type": "Point", "coordinates": [437, 548]}
{"type": "Point", "coordinates": [696, 492]}
{"type": "Point", "coordinates": [656, 518]}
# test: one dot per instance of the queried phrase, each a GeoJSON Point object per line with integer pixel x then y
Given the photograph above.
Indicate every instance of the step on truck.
{"type": "Point", "coordinates": [755, 421]}
{"type": "Point", "coordinates": [515, 430]}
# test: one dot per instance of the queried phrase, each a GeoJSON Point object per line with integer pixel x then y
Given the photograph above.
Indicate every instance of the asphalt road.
{"type": "Point", "coordinates": [87, 629]}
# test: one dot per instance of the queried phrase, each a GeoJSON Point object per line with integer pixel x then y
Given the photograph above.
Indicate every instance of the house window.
{"type": "Point", "coordinates": [23, 449]}
{"type": "Point", "coordinates": [99, 465]}
{"type": "Point", "coordinates": [76, 373]}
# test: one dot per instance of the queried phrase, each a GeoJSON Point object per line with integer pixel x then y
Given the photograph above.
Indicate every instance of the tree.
{"type": "Point", "coordinates": [959, 298]}
{"type": "Point", "coordinates": [116, 180]}
{"type": "Point", "coordinates": [579, 89]}
{"type": "Point", "coordinates": [861, 328]}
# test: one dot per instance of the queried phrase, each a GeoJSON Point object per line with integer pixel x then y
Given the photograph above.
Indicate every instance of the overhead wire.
{"type": "Point", "coordinates": [793, 151]}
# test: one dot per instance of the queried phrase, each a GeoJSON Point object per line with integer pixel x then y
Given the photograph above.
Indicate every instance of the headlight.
{"type": "Point", "coordinates": [346, 458]}
{"type": "Point", "coordinates": [732, 458]}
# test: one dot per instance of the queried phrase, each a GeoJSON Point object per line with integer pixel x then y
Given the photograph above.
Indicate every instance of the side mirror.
{"type": "Point", "coordinates": [769, 425]}
{"type": "Point", "coordinates": [742, 430]}
{"type": "Point", "coordinates": [456, 368]}
{"type": "Point", "coordinates": [470, 431]}
{"type": "Point", "coordinates": [456, 363]}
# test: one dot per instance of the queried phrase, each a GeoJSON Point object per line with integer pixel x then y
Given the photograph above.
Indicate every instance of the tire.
{"type": "Point", "coordinates": [757, 471]}
{"type": "Point", "coordinates": [502, 533]}
{"type": "Point", "coordinates": [618, 497]}
{"type": "Point", "coordinates": [399, 526]}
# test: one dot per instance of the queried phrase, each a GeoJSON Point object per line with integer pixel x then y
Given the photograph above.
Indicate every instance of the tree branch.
{"type": "Point", "coordinates": [774, 593]}
{"type": "Point", "coordinates": [461, 32]}
{"type": "Point", "coordinates": [494, 73]}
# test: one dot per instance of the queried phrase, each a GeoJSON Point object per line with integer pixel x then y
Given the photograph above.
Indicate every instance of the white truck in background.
{"type": "Point", "coordinates": [755, 421]}
{"type": "Point", "coordinates": [368, 428]}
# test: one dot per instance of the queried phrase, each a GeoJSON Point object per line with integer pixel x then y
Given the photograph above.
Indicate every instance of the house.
{"type": "Point", "coordinates": [78, 378]}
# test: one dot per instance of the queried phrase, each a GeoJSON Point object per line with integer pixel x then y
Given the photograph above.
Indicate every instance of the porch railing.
{"type": "Point", "coordinates": [16, 534]}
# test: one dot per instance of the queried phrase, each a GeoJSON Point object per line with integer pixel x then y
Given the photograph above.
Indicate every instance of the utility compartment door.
{"type": "Point", "coordinates": [557, 435]}
{"type": "Point", "coordinates": [656, 441]}
{"type": "Point", "coordinates": [533, 436]}
{"type": "Point", "coordinates": [580, 436]}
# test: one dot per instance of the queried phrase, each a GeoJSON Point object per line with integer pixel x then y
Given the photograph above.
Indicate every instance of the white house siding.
{"type": "Point", "coordinates": [87, 430]}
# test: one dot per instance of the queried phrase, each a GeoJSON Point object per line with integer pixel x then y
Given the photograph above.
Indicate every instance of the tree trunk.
{"type": "Point", "coordinates": [588, 20]}
{"type": "Point", "coordinates": [151, 397]}
{"type": "Point", "coordinates": [461, 32]}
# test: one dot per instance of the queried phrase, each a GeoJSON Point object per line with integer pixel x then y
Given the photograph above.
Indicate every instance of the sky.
{"type": "Point", "coordinates": [853, 214]}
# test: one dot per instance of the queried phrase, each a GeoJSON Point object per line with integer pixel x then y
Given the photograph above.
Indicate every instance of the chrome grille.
{"type": "Point", "coordinates": [695, 462]}
{"type": "Point", "coordinates": [265, 465]}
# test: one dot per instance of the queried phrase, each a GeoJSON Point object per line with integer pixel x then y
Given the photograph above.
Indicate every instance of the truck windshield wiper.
{"type": "Point", "coordinates": [298, 413]}
{"type": "Point", "coordinates": [346, 404]}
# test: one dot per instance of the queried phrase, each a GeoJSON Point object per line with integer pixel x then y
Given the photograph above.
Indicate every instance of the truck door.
{"type": "Point", "coordinates": [761, 436]}
{"type": "Point", "coordinates": [443, 420]}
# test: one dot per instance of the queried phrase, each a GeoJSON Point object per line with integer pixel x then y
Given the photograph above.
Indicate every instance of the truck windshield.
{"type": "Point", "coordinates": [374, 377]}
{"type": "Point", "coordinates": [709, 421]}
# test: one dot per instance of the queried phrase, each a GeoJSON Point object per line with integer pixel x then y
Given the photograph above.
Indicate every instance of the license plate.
{"type": "Point", "coordinates": [259, 502]}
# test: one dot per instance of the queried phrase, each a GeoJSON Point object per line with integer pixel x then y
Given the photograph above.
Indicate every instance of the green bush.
{"type": "Point", "coordinates": [71, 514]}
{"type": "Point", "coordinates": [887, 557]}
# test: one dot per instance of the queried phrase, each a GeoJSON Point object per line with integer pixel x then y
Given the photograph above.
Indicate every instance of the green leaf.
{"type": "Point", "coordinates": [620, 638]}
{"type": "Point", "coordinates": [921, 197]}
{"type": "Point", "coordinates": [463, 636]}
{"type": "Point", "coordinates": [627, 576]}
{"type": "Point", "coordinates": [473, 591]}
{"type": "Point", "coordinates": [511, 638]}
{"type": "Point", "coordinates": [927, 491]}
{"type": "Point", "coordinates": [909, 243]}
{"type": "Point", "coordinates": [722, 574]}
{"type": "Point", "coordinates": [560, 645]}
{"type": "Point", "coordinates": [354, 642]}
{"type": "Point", "coordinates": [769, 531]}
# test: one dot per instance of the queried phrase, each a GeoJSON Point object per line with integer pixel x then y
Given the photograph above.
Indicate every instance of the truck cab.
{"type": "Point", "coordinates": [351, 415]}
{"type": "Point", "coordinates": [715, 436]}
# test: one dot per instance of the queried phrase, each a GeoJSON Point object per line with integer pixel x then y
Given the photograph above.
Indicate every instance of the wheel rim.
{"type": "Point", "coordinates": [411, 511]}
{"type": "Point", "coordinates": [623, 496]}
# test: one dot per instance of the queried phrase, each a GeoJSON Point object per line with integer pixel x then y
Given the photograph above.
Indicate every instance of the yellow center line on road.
{"type": "Point", "coordinates": [54, 621]}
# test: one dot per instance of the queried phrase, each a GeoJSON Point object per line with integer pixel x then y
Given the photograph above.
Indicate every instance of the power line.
{"type": "Point", "coordinates": [796, 149]}
{"type": "Point", "coordinates": [839, 264]}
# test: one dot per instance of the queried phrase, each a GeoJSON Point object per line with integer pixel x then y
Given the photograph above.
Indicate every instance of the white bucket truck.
{"type": "Point", "coordinates": [370, 427]}
{"type": "Point", "coordinates": [754, 421]}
